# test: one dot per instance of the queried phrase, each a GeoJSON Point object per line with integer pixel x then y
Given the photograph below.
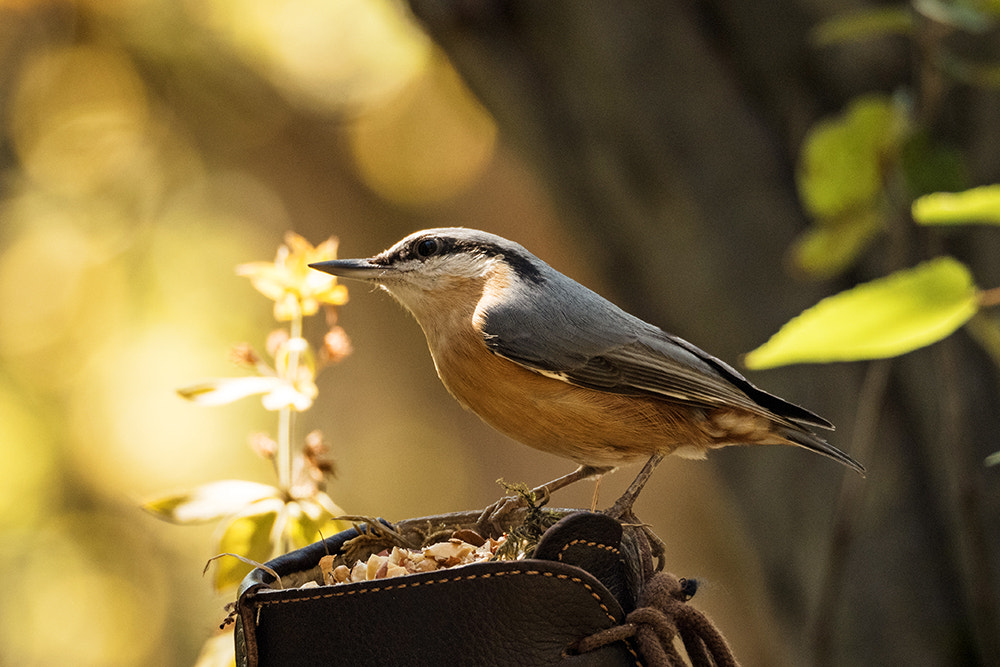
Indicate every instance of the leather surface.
{"type": "Point", "coordinates": [527, 612]}
{"type": "Point", "coordinates": [592, 542]}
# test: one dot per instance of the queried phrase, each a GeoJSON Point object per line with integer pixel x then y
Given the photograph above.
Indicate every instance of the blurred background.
{"type": "Point", "coordinates": [648, 150]}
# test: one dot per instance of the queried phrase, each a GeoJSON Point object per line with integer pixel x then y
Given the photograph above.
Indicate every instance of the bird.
{"type": "Point", "coordinates": [555, 366]}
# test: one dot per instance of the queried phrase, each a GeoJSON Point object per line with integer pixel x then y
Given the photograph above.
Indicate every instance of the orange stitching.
{"type": "Point", "coordinates": [606, 547]}
{"type": "Point", "coordinates": [358, 591]}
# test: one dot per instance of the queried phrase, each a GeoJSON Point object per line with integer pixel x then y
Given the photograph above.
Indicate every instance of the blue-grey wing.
{"type": "Point", "coordinates": [602, 347]}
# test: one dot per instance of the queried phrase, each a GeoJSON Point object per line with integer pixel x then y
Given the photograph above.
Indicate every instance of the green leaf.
{"type": "Point", "coordinates": [250, 534]}
{"type": "Point", "coordinates": [970, 72]}
{"type": "Point", "coordinates": [210, 501]}
{"type": "Point", "coordinates": [842, 159]}
{"type": "Point", "coordinates": [978, 205]}
{"type": "Point", "coordinates": [961, 15]}
{"type": "Point", "coordinates": [832, 245]}
{"type": "Point", "coordinates": [304, 520]}
{"type": "Point", "coordinates": [883, 318]}
{"type": "Point", "coordinates": [311, 519]}
{"type": "Point", "coordinates": [993, 459]}
{"type": "Point", "coordinates": [929, 166]}
{"type": "Point", "coordinates": [863, 24]}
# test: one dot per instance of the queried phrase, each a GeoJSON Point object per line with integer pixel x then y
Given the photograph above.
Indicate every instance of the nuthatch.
{"type": "Point", "coordinates": [550, 363]}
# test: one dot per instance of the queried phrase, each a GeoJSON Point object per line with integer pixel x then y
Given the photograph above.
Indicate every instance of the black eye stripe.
{"type": "Point", "coordinates": [429, 246]}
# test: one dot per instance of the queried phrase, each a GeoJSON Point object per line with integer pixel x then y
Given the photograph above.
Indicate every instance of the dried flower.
{"type": "Point", "coordinates": [312, 468]}
{"type": "Point", "coordinates": [336, 345]}
{"type": "Point", "coordinates": [243, 354]}
{"type": "Point", "coordinates": [275, 340]}
{"type": "Point", "coordinates": [264, 446]}
{"type": "Point", "coordinates": [296, 289]}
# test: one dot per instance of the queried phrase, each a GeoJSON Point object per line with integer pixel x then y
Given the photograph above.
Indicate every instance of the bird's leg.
{"type": "Point", "coordinates": [583, 472]}
{"type": "Point", "coordinates": [622, 509]}
{"type": "Point", "coordinates": [492, 515]}
{"type": "Point", "coordinates": [597, 492]}
{"type": "Point", "coordinates": [623, 506]}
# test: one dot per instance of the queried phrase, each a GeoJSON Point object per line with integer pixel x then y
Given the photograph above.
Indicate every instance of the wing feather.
{"type": "Point", "coordinates": [606, 349]}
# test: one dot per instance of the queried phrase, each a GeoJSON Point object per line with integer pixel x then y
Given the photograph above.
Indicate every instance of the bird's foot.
{"type": "Point", "coordinates": [622, 509]}
{"type": "Point", "coordinates": [655, 547]}
{"type": "Point", "coordinates": [494, 517]}
{"type": "Point", "coordinates": [623, 506]}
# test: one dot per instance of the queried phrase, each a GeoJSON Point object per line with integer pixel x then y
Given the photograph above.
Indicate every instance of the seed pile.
{"type": "Point", "coordinates": [399, 561]}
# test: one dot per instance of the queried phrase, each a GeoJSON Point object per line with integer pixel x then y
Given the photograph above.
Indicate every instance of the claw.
{"type": "Point", "coordinates": [491, 518]}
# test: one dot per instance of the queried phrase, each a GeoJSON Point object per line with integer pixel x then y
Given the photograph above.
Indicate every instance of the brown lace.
{"type": "Point", "coordinates": [661, 615]}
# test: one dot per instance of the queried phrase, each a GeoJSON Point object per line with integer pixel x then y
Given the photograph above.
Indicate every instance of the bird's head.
{"type": "Point", "coordinates": [430, 267]}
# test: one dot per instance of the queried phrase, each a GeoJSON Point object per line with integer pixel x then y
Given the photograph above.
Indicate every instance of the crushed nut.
{"type": "Point", "coordinates": [399, 562]}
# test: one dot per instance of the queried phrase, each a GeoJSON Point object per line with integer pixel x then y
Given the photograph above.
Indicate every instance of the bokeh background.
{"type": "Point", "coordinates": [147, 147]}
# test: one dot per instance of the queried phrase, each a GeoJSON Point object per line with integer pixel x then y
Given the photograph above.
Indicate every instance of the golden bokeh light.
{"type": "Point", "coordinates": [386, 457]}
{"type": "Point", "coordinates": [132, 430]}
{"type": "Point", "coordinates": [28, 473]}
{"type": "Point", "coordinates": [84, 594]}
{"type": "Point", "coordinates": [426, 145]}
{"type": "Point", "coordinates": [41, 281]}
{"type": "Point", "coordinates": [325, 54]}
{"type": "Point", "coordinates": [203, 231]}
{"type": "Point", "coordinates": [79, 117]}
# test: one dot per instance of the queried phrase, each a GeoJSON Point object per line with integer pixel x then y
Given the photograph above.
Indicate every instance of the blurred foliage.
{"type": "Point", "coordinates": [863, 24]}
{"type": "Point", "coordinates": [874, 170]}
{"type": "Point", "coordinates": [978, 205]}
{"type": "Point", "coordinates": [976, 16]}
{"type": "Point", "coordinates": [858, 170]}
{"type": "Point", "coordinates": [146, 148]}
{"type": "Point", "coordinates": [841, 181]}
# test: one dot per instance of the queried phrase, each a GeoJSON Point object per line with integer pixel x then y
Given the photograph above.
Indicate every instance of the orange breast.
{"type": "Point", "coordinates": [587, 426]}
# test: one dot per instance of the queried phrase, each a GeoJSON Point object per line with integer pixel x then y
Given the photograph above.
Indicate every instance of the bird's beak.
{"type": "Point", "coordinates": [358, 269]}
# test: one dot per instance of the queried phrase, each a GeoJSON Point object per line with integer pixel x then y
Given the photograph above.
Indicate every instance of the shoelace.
{"type": "Point", "coordinates": [661, 615]}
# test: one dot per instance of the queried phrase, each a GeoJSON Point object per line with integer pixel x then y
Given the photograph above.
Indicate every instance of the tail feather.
{"type": "Point", "coordinates": [813, 442]}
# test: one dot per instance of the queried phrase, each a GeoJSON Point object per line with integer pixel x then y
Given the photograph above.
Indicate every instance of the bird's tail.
{"type": "Point", "coordinates": [812, 442]}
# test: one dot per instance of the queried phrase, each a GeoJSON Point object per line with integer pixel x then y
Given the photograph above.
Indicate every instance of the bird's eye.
{"type": "Point", "coordinates": [427, 247]}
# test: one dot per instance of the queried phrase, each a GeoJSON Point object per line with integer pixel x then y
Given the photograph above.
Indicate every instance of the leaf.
{"type": "Point", "coordinates": [978, 205]}
{"type": "Point", "coordinates": [961, 15]}
{"type": "Point", "coordinates": [332, 508]}
{"type": "Point", "coordinates": [298, 397]}
{"type": "Point", "coordinates": [249, 561]}
{"type": "Point", "coordinates": [863, 24]}
{"type": "Point", "coordinates": [210, 501]}
{"type": "Point", "coordinates": [304, 520]}
{"type": "Point", "coordinates": [832, 245]}
{"type": "Point", "coordinates": [882, 318]}
{"type": "Point", "coordinates": [993, 459]}
{"type": "Point", "coordinates": [842, 159]}
{"type": "Point", "coordinates": [227, 390]}
{"type": "Point", "coordinates": [250, 534]}
{"type": "Point", "coordinates": [977, 74]}
{"type": "Point", "coordinates": [277, 392]}
{"type": "Point", "coordinates": [311, 519]}
{"type": "Point", "coordinates": [984, 328]}
{"type": "Point", "coordinates": [930, 166]}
